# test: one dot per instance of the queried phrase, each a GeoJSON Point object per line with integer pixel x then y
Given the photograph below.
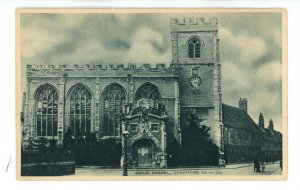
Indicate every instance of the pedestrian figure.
{"type": "Point", "coordinates": [280, 164]}
{"type": "Point", "coordinates": [157, 161]}
{"type": "Point", "coordinates": [256, 165]}
{"type": "Point", "coordinates": [262, 166]}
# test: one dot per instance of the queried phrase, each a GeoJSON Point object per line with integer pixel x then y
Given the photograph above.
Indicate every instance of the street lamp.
{"type": "Point", "coordinates": [125, 134]}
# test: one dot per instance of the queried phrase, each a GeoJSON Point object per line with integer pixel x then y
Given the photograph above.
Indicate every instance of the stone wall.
{"type": "Point", "coordinates": [96, 78]}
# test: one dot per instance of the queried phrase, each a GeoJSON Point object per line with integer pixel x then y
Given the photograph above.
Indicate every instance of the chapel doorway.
{"type": "Point", "coordinates": [144, 153]}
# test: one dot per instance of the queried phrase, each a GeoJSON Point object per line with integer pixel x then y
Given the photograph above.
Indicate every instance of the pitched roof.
{"type": "Point", "coordinates": [238, 118]}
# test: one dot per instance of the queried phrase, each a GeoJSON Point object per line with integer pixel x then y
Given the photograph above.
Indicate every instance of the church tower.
{"type": "Point", "coordinates": [195, 54]}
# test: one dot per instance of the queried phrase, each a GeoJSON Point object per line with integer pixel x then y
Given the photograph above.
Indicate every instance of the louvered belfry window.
{"type": "Point", "coordinates": [114, 98]}
{"type": "Point", "coordinates": [46, 111]}
{"type": "Point", "coordinates": [80, 111]}
{"type": "Point", "coordinates": [194, 48]}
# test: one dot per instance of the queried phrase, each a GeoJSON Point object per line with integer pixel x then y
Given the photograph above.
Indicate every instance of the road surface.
{"type": "Point", "coordinates": [233, 169]}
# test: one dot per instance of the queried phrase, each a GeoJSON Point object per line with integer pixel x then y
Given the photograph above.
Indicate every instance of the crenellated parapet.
{"type": "Point", "coordinates": [195, 21]}
{"type": "Point", "coordinates": [194, 24]}
{"type": "Point", "coordinates": [112, 70]}
{"type": "Point", "coordinates": [130, 66]}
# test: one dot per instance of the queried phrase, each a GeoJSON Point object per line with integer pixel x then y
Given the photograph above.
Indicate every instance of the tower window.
{"type": "Point", "coordinates": [194, 48]}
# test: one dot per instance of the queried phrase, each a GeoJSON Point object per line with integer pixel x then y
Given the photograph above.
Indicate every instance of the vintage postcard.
{"type": "Point", "coordinates": [151, 94]}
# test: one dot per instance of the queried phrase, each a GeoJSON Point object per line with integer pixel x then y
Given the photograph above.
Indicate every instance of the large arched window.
{"type": "Point", "coordinates": [148, 91]}
{"type": "Point", "coordinates": [80, 110]}
{"type": "Point", "coordinates": [114, 97]}
{"type": "Point", "coordinates": [46, 111]}
{"type": "Point", "coordinates": [194, 48]}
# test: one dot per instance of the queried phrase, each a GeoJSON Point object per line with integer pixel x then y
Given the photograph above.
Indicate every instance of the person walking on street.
{"type": "Point", "coordinates": [256, 165]}
{"type": "Point", "coordinates": [262, 166]}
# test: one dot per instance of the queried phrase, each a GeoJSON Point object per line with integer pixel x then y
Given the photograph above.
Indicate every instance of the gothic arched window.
{"type": "Point", "coordinates": [80, 110]}
{"type": "Point", "coordinates": [114, 97]}
{"type": "Point", "coordinates": [46, 111]}
{"type": "Point", "coordinates": [148, 91]}
{"type": "Point", "coordinates": [194, 47]}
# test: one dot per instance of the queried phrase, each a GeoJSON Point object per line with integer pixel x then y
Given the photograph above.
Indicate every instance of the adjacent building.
{"type": "Point", "coordinates": [245, 140]}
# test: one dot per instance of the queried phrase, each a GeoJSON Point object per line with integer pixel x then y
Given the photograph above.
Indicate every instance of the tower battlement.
{"type": "Point", "coordinates": [194, 24]}
{"type": "Point", "coordinates": [195, 21]}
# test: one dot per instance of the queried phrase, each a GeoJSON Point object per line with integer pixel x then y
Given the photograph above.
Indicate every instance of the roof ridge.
{"type": "Point", "coordinates": [238, 117]}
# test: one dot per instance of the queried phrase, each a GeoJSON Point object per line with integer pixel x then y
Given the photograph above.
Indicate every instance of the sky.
{"type": "Point", "coordinates": [250, 45]}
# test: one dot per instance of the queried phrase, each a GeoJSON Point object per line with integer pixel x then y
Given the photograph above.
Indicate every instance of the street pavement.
{"type": "Point", "coordinates": [232, 169]}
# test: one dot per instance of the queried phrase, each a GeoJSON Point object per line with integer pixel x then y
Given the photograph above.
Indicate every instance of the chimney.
{"type": "Point", "coordinates": [271, 125]}
{"type": "Point", "coordinates": [243, 104]}
{"type": "Point", "coordinates": [261, 121]}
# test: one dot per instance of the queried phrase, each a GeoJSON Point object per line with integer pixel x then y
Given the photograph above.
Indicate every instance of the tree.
{"type": "Point", "coordinates": [173, 151]}
{"type": "Point", "coordinates": [197, 147]}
